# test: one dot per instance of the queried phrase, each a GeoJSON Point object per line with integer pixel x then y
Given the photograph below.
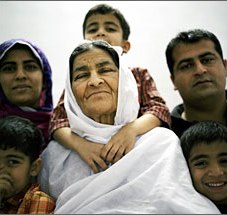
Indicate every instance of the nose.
{"type": "Point", "coordinates": [20, 74]}
{"type": "Point", "coordinates": [95, 80]}
{"type": "Point", "coordinates": [101, 33]}
{"type": "Point", "coordinates": [215, 170]}
{"type": "Point", "coordinates": [200, 68]}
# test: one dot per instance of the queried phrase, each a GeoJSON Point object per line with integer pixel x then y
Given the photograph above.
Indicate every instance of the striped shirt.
{"type": "Point", "coordinates": [149, 99]}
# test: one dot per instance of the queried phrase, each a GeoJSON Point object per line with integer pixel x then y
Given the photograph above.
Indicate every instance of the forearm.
{"type": "Point", "coordinates": [88, 151]}
{"type": "Point", "coordinates": [144, 124]}
{"type": "Point", "coordinates": [68, 139]}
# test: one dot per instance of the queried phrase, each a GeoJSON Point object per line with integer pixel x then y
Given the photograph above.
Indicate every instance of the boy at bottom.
{"type": "Point", "coordinates": [20, 145]}
{"type": "Point", "coordinates": [205, 148]}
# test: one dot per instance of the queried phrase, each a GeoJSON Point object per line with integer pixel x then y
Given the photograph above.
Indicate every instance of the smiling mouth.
{"type": "Point", "coordinates": [216, 184]}
{"type": "Point", "coordinates": [96, 93]}
{"type": "Point", "coordinates": [21, 87]}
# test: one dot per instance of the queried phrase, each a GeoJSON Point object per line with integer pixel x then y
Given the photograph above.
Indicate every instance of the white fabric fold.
{"type": "Point", "coordinates": [152, 178]}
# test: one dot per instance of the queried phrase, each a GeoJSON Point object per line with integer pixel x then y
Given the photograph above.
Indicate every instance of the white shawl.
{"type": "Point", "coordinates": [127, 108]}
{"type": "Point", "coordinates": [151, 178]}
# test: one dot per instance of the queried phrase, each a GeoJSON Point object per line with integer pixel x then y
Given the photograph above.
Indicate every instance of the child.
{"type": "Point", "coordinates": [205, 149]}
{"type": "Point", "coordinates": [20, 144]}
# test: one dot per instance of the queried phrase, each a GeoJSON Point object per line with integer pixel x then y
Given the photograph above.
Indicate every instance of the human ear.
{"type": "Point", "coordinates": [36, 167]}
{"type": "Point", "coordinates": [225, 65]}
{"type": "Point", "coordinates": [172, 79]}
{"type": "Point", "coordinates": [126, 46]}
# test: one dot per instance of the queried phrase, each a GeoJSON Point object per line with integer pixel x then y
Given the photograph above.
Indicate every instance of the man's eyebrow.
{"type": "Point", "coordinates": [185, 60]}
{"type": "Point", "coordinates": [206, 53]}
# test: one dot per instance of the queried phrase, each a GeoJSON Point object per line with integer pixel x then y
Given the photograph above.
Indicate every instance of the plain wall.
{"type": "Point", "coordinates": [56, 27]}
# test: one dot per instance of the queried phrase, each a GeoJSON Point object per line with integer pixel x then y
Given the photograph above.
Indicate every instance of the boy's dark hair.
{"type": "Point", "coordinates": [21, 134]}
{"type": "Point", "coordinates": [190, 37]}
{"type": "Point", "coordinates": [104, 9]}
{"type": "Point", "coordinates": [205, 132]}
{"type": "Point", "coordinates": [89, 45]}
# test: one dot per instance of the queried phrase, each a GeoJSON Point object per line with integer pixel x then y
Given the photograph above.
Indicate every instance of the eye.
{"type": "Point", "coordinates": [8, 68]}
{"type": "Point", "coordinates": [110, 29]}
{"type": "Point", "coordinates": [106, 70]}
{"type": "Point", "coordinates": [185, 66]}
{"type": "Point", "coordinates": [223, 161]}
{"type": "Point", "coordinates": [92, 30]}
{"type": "Point", "coordinates": [31, 67]}
{"type": "Point", "coordinates": [80, 75]}
{"type": "Point", "coordinates": [13, 162]}
{"type": "Point", "coordinates": [200, 164]}
{"type": "Point", "coordinates": [208, 60]}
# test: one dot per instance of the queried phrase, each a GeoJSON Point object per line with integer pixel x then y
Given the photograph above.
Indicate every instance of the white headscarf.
{"type": "Point", "coordinates": [127, 107]}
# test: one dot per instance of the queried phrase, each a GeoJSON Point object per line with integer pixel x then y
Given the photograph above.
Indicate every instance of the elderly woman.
{"type": "Point", "coordinates": [25, 83]}
{"type": "Point", "coordinates": [101, 97]}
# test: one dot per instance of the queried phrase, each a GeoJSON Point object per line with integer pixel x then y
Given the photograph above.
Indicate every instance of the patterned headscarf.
{"type": "Point", "coordinates": [42, 114]}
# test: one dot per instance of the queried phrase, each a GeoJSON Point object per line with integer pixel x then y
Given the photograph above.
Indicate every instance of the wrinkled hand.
{"type": "Point", "coordinates": [90, 152]}
{"type": "Point", "coordinates": [119, 145]}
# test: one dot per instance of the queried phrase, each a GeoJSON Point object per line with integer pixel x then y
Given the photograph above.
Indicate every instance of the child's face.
{"type": "Point", "coordinates": [15, 171]}
{"type": "Point", "coordinates": [208, 167]}
{"type": "Point", "coordinates": [106, 27]}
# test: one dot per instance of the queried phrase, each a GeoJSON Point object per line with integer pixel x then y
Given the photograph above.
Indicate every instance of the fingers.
{"type": "Point", "coordinates": [119, 154]}
{"type": "Point", "coordinates": [113, 154]}
{"type": "Point", "coordinates": [101, 163]}
{"type": "Point", "coordinates": [98, 162]}
{"type": "Point", "coordinates": [94, 167]}
{"type": "Point", "coordinates": [105, 150]}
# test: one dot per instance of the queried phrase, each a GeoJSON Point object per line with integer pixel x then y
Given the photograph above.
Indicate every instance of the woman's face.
{"type": "Point", "coordinates": [21, 77]}
{"type": "Point", "coordinates": [95, 84]}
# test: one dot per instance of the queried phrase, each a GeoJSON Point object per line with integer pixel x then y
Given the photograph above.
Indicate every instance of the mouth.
{"type": "Point", "coordinates": [96, 93]}
{"type": "Point", "coordinates": [5, 179]}
{"type": "Point", "coordinates": [201, 82]}
{"type": "Point", "coordinates": [216, 185]}
{"type": "Point", "coordinates": [21, 87]}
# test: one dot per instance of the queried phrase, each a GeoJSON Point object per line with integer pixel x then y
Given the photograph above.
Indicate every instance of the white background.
{"type": "Point", "coordinates": [56, 27]}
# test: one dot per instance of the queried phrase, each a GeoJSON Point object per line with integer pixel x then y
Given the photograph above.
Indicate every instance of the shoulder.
{"type": "Point", "coordinates": [178, 125]}
{"type": "Point", "coordinates": [39, 201]}
{"type": "Point", "coordinates": [177, 111]}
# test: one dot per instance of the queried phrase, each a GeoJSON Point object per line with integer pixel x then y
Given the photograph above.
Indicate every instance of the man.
{"type": "Point", "coordinates": [198, 72]}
